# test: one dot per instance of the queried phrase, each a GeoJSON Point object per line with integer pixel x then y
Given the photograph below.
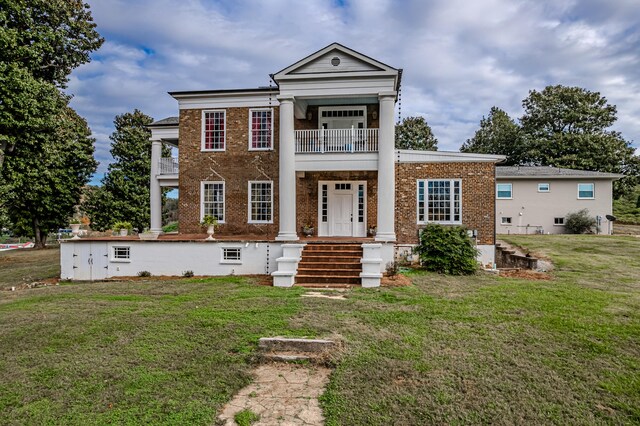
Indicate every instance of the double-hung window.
{"type": "Point", "coordinates": [504, 191]}
{"type": "Point", "coordinates": [260, 129]}
{"type": "Point", "coordinates": [440, 201]}
{"type": "Point", "coordinates": [585, 191]}
{"type": "Point", "coordinates": [212, 200]}
{"type": "Point", "coordinates": [261, 202]}
{"type": "Point", "coordinates": [213, 130]}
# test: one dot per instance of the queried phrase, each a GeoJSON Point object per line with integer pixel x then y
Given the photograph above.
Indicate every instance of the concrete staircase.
{"type": "Point", "coordinates": [330, 265]}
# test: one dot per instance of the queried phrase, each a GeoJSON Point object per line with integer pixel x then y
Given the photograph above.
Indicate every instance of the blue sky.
{"type": "Point", "coordinates": [459, 57]}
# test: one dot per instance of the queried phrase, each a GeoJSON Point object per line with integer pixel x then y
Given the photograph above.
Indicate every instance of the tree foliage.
{"type": "Point", "coordinates": [447, 250]}
{"type": "Point", "coordinates": [415, 133]}
{"type": "Point", "coordinates": [562, 127]}
{"type": "Point", "coordinates": [124, 194]}
{"type": "Point", "coordinates": [498, 134]}
{"type": "Point", "coordinates": [45, 176]}
{"type": "Point", "coordinates": [580, 222]}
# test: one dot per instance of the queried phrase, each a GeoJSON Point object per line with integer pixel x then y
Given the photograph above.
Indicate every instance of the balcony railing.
{"type": "Point", "coordinates": [169, 166]}
{"type": "Point", "coordinates": [336, 140]}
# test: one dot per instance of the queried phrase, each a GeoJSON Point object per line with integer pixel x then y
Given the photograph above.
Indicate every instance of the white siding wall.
{"type": "Point", "coordinates": [538, 209]}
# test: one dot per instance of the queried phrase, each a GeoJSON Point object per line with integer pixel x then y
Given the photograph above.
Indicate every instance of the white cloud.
{"type": "Point", "coordinates": [459, 57]}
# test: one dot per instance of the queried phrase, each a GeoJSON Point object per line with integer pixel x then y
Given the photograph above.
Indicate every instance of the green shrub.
{"type": "Point", "coordinates": [187, 274]}
{"type": "Point", "coordinates": [447, 250]}
{"type": "Point", "coordinates": [144, 274]}
{"type": "Point", "coordinates": [579, 222]}
{"type": "Point", "coordinates": [246, 417]}
{"type": "Point", "coordinates": [171, 227]}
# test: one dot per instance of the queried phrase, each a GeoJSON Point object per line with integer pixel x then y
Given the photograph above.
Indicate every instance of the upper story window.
{"type": "Point", "coordinates": [504, 191]}
{"type": "Point", "coordinates": [439, 201]}
{"type": "Point", "coordinates": [586, 191]}
{"type": "Point", "coordinates": [261, 129]}
{"type": "Point", "coordinates": [214, 130]}
{"type": "Point", "coordinates": [212, 200]}
{"type": "Point", "coordinates": [543, 187]}
{"type": "Point", "coordinates": [261, 202]}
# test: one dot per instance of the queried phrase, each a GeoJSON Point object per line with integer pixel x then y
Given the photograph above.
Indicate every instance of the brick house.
{"type": "Point", "coordinates": [316, 150]}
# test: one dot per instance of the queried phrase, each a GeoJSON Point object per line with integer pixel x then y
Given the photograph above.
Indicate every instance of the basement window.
{"type": "Point", "coordinates": [121, 254]}
{"type": "Point", "coordinates": [506, 220]}
{"type": "Point", "coordinates": [558, 221]}
{"type": "Point", "coordinates": [231, 255]}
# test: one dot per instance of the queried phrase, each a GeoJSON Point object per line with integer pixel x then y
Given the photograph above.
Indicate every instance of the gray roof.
{"type": "Point", "coordinates": [523, 172]}
{"type": "Point", "coordinates": [169, 121]}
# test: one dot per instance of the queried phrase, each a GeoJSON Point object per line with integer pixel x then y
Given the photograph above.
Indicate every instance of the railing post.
{"type": "Point", "coordinates": [322, 140]}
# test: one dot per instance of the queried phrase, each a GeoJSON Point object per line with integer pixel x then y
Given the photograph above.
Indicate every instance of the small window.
{"type": "Point", "coordinates": [343, 187]}
{"type": "Point", "coordinates": [260, 129]}
{"type": "Point", "coordinates": [585, 191]}
{"type": "Point", "coordinates": [325, 203]}
{"type": "Point", "coordinates": [543, 187]}
{"type": "Point", "coordinates": [231, 255]}
{"type": "Point", "coordinates": [213, 130]}
{"type": "Point", "coordinates": [506, 220]}
{"type": "Point", "coordinates": [121, 254]}
{"type": "Point", "coordinates": [504, 191]}
{"type": "Point", "coordinates": [558, 220]}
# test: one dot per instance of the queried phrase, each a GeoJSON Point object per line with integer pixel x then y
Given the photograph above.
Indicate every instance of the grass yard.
{"type": "Point", "coordinates": [449, 350]}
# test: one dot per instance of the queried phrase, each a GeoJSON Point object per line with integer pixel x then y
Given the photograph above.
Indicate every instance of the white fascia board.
{"type": "Point", "coordinates": [347, 74]}
{"type": "Point", "coordinates": [562, 177]}
{"type": "Point", "coordinates": [411, 156]}
{"type": "Point", "coordinates": [166, 133]}
{"type": "Point", "coordinates": [221, 101]}
{"type": "Point", "coordinates": [337, 88]}
{"type": "Point", "coordinates": [332, 162]}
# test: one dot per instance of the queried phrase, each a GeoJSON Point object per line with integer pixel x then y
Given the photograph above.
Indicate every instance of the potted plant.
{"type": "Point", "coordinates": [148, 235]}
{"type": "Point", "coordinates": [210, 222]}
{"type": "Point", "coordinates": [75, 228]}
{"type": "Point", "coordinates": [372, 230]}
{"type": "Point", "coordinates": [308, 229]}
{"type": "Point", "coordinates": [123, 228]}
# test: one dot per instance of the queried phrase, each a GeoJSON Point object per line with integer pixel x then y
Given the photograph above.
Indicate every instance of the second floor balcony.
{"type": "Point", "coordinates": [169, 166]}
{"type": "Point", "coordinates": [320, 141]}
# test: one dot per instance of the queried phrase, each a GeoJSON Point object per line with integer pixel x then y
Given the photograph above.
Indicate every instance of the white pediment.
{"type": "Point", "coordinates": [335, 59]}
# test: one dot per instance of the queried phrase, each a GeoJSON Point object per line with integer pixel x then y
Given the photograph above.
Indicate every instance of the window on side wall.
{"type": "Point", "coordinates": [504, 191]}
{"type": "Point", "coordinates": [506, 220]}
{"type": "Point", "coordinates": [121, 254]}
{"type": "Point", "coordinates": [585, 191]}
{"type": "Point", "coordinates": [543, 187]}
{"type": "Point", "coordinates": [212, 200]}
{"type": "Point", "coordinates": [214, 133]}
{"type": "Point", "coordinates": [231, 255]}
{"type": "Point", "coordinates": [260, 129]}
{"type": "Point", "coordinates": [440, 201]}
{"type": "Point", "coordinates": [261, 202]}
{"type": "Point", "coordinates": [558, 220]}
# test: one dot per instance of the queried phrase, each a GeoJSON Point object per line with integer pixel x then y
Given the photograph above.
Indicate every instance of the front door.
{"type": "Point", "coordinates": [343, 215]}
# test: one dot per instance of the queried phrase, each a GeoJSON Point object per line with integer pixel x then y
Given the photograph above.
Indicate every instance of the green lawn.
{"type": "Point", "coordinates": [449, 350]}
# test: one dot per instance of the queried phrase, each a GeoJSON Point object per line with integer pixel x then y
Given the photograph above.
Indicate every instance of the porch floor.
{"type": "Point", "coordinates": [247, 237]}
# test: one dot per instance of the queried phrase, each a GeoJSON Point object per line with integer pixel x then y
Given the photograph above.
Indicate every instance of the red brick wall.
{"type": "Point", "coordinates": [236, 167]}
{"type": "Point", "coordinates": [478, 196]}
{"type": "Point", "coordinates": [307, 195]}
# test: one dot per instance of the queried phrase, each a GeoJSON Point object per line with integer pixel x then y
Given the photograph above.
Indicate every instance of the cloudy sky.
{"type": "Point", "coordinates": [459, 57]}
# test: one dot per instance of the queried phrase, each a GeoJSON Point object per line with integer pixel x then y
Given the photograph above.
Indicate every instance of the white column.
{"type": "Point", "coordinates": [287, 179]}
{"type": "Point", "coordinates": [386, 169]}
{"type": "Point", "coordinates": [155, 191]}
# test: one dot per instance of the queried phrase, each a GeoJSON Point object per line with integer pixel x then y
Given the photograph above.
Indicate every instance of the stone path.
{"type": "Point", "coordinates": [281, 394]}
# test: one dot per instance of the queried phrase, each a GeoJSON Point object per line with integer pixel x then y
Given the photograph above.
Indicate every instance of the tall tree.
{"type": "Point", "coordinates": [45, 176]}
{"type": "Point", "coordinates": [41, 42]}
{"type": "Point", "coordinates": [570, 127]}
{"type": "Point", "coordinates": [415, 133]}
{"type": "Point", "coordinates": [498, 134]}
{"type": "Point", "coordinates": [124, 194]}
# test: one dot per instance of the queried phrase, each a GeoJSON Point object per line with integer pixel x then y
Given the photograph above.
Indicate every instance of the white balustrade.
{"type": "Point", "coordinates": [336, 140]}
{"type": "Point", "coordinates": [169, 166]}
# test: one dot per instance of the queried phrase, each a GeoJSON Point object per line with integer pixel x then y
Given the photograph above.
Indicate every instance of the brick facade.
{"type": "Point", "coordinates": [478, 196]}
{"type": "Point", "coordinates": [307, 195]}
{"type": "Point", "coordinates": [236, 166]}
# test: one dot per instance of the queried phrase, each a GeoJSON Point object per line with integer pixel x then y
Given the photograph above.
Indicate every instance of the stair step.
{"type": "Point", "coordinates": [334, 252]}
{"type": "Point", "coordinates": [329, 271]}
{"type": "Point", "coordinates": [325, 285]}
{"type": "Point", "coordinates": [327, 279]}
{"type": "Point", "coordinates": [330, 265]}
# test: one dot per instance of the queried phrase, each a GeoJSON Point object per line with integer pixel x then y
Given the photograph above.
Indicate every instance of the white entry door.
{"type": "Point", "coordinates": [343, 215]}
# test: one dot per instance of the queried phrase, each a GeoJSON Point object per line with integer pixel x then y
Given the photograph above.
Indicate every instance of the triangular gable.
{"type": "Point", "coordinates": [334, 58]}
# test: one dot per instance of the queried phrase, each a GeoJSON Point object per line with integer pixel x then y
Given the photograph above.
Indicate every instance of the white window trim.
{"type": "Point", "coordinates": [426, 202]}
{"type": "Point", "coordinates": [251, 129]}
{"type": "Point", "coordinates": [202, 131]}
{"type": "Point", "coordinates": [224, 198]}
{"type": "Point", "coordinates": [504, 198]}
{"type": "Point", "coordinates": [548, 187]}
{"type": "Point", "coordinates": [249, 201]}
{"type": "Point", "coordinates": [228, 261]}
{"type": "Point", "coordinates": [558, 224]}
{"type": "Point", "coordinates": [503, 223]}
{"type": "Point", "coordinates": [119, 260]}
{"type": "Point", "coordinates": [593, 186]}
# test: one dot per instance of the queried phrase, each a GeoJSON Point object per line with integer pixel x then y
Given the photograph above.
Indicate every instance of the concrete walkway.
{"type": "Point", "coordinates": [281, 394]}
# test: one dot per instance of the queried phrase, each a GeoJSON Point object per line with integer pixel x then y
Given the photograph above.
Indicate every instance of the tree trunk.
{"type": "Point", "coordinates": [40, 240]}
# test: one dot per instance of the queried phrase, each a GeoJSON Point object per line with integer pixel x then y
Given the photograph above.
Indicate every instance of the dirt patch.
{"type": "Point", "coordinates": [398, 280]}
{"type": "Point", "coordinates": [526, 274]}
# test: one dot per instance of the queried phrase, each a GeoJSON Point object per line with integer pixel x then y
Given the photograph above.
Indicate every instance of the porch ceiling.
{"type": "Point", "coordinates": [342, 101]}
